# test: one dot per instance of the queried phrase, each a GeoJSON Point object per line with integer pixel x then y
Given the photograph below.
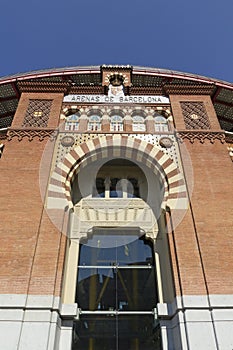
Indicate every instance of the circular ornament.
{"type": "Point", "coordinates": [166, 142]}
{"type": "Point", "coordinates": [67, 141]}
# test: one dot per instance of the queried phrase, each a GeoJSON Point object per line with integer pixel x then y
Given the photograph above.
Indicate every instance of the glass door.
{"type": "Point", "coordinates": [116, 292]}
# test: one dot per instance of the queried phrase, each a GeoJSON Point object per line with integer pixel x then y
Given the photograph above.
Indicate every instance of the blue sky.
{"type": "Point", "coordinates": [189, 36]}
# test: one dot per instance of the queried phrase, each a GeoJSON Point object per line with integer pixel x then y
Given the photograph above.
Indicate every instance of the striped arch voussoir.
{"type": "Point", "coordinates": [116, 146]}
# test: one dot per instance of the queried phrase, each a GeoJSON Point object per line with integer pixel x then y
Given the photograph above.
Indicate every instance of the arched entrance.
{"type": "Point", "coordinates": [142, 215]}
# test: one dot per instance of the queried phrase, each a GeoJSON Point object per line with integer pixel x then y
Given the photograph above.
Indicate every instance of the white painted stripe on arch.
{"type": "Point", "coordinates": [63, 167]}
{"type": "Point", "coordinates": [142, 146]}
{"type": "Point", "coordinates": [154, 152]}
{"type": "Point", "coordinates": [130, 142]}
{"type": "Point", "coordinates": [90, 145]}
{"type": "Point", "coordinates": [78, 150]}
{"type": "Point", "coordinates": [56, 203]}
{"type": "Point", "coordinates": [170, 168]}
{"type": "Point", "coordinates": [175, 178]}
{"type": "Point", "coordinates": [55, 188]}
{"type": "Point", "coordinates": [57, 177]}
{"type": "Point", "coordinates": [178, 189]}
{"type": "Point", "coordinates": [178, 203]}
{"type": "Point", "coordinates": [163, 159]}
{"type": "Point", "coordinates": [70, 158]}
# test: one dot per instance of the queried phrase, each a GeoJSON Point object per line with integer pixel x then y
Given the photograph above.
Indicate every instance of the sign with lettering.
{"type": "Point", "coordinates": [116, 99]}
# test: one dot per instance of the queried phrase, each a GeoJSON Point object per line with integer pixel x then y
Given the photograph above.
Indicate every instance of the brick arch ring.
{"type": "Point", "coordinates": [117, 146]}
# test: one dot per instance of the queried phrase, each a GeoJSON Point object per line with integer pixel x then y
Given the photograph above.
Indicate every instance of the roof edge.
{"type": "Point", "coordinates": [97, 69]}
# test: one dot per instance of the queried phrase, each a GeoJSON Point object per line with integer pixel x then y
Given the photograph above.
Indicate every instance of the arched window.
{"type": "Point", "coordinates": [160, 123]}
{"type": "Point", "coordinates": [133, 188]}
{"type": "Point", "coordinates": [94, 123]}
{"type": "Point", "coordinates": [116, 123]}
{"type": "Point", "coordinates": [139, 123]}
{"type": "Point", "coordinates": [72, 122]}
{"type": "Point", "coordinates": [99, 189]}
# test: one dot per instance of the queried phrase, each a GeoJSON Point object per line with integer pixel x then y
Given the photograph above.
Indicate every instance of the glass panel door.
{"type": "Point", "coordinates": [116, 292]}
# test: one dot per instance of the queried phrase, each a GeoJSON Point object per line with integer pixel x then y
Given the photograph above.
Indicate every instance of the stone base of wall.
{"type": "Point", "coordinates": [29, 322]}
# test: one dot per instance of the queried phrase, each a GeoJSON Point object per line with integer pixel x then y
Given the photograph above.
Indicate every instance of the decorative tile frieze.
{"type": "Point", "coordinates": [195, 115]}
{"type": "Point", "coordinates": [31, 134]}
{"type": "Point", "coordinates": [201, 136]}
{"type": "Point", "coordinates": [37, 114]}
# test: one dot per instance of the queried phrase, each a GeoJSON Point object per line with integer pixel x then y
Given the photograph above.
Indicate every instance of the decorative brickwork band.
{"type": "Point", "coordinates": [195, 115]}
{"type": "Point", "coordinates": [44, 86]}
{"type": "Point", "coordinates": [189, 89]}
{"type": "Point", "coordinates": [31, 134]}
{"type": "Point", "coordinates": [117, 146]}
{"type": "Point", "coordinates": [201, 136]}
{"type": "Point", "coordinates": [37, 114]}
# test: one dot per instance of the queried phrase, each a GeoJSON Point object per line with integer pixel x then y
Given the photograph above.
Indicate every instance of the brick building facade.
{"type": "Point", "coordinates": [117, 214]}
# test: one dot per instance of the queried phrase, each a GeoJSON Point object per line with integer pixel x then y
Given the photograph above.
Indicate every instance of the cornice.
{"type": "Point", "coordinates": [193, 89]}
{"type": "Point", "coordinates": [145, 90]}
{"type": "Point", "coordinates": [43, 86]}
{"type": "Point", "coordinates": [86, 90]}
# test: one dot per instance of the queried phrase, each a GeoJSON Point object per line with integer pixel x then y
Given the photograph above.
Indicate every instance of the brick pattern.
{"type": "Point", "coordinates": [212, 209]}
{"type": "Point", "coordinates": [201, 136]}
{"type": "Point", "coordinates": [32, 249]}
{"type": "Point", "coordinates": [31, 134]}
{"type": "Point", "coordinates": [30, 244]}
{"type": "Point", "coordinates": [195, 115]}
{"type": "Point", "coordinates": [37, 114]}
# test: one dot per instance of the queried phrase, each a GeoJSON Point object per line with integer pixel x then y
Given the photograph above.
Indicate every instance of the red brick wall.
{"type": "Point", "coordinates": [213, 212]}
{"type": "Point", "coordinates": [32, 249]}
{"type": "Point", "coordinates": [204, 239]}
{"type": "Point", "coordinates": [23, 105]}
{"type": "Point", "coordinates": [177, 111]}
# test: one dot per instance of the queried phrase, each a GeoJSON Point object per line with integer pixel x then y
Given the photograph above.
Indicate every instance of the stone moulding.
{"type": "Point", "coordinates": [31, 134]}
{"type": "Point", "coordinates": [201, 136]}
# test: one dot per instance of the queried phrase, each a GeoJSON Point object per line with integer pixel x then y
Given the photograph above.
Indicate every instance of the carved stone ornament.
{"type": "Point", "coordinates": [31, 134]}
{"type": "Point", "coordinates": [201, 136]}
{"type": "Point", "coordinates": [67, 141]}
{"type": "Point", "coordinates": [166, 142]}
